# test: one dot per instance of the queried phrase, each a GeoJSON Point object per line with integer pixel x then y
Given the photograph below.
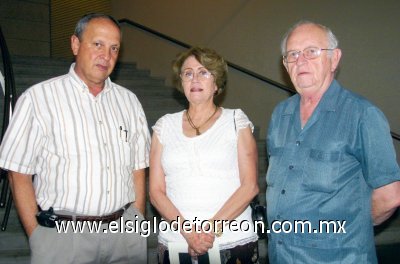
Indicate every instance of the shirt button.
{"type": "Point", "coordinates": [100, 122]}
{"type": "Point", "coordinates": [283, 192]}
{"type": "Point", "coordinates": [280, 242]}
{"type": "Point", "coordinates": [297, 143]}
{"type": "Point", "coordinates": [291, 167]}
{"type": "Point", "coordinates": [278, 217]}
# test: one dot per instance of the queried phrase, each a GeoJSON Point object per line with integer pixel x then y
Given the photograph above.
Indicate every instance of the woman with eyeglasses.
{"type": "Point", "coordinates": [203, 167]}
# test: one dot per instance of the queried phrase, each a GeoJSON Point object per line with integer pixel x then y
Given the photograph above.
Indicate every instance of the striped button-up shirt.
{"type": "Point", "coordinates": [82, 149]}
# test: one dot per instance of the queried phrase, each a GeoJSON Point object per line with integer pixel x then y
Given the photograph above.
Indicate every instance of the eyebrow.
{"type": "Point", "coordinates": [200, 68]}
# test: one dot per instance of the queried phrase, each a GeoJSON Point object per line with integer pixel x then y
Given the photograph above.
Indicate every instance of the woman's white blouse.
{"type": "Point", "coordinates": [202, 172]}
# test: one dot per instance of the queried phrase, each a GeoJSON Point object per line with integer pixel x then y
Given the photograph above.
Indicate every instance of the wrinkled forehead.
{"type": "Point", "coordinates": [192, 62]}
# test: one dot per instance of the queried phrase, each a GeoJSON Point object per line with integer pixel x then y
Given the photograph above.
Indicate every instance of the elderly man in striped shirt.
{"type": "Point", "coordinates": [86, 141]}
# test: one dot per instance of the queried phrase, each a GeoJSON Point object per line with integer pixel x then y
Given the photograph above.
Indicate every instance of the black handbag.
{"type": "Point", "coordinates": [259, 216]}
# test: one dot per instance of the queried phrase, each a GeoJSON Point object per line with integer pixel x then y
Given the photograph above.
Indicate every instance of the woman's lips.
{"type": "Point", "coordinates": [196, 89]}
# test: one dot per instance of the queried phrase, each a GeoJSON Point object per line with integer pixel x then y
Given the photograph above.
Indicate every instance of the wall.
{"type": "Point", "coordinates": [64, 15]}
{"type": "Point", "coordinates": [248, 33]}
{"type": "Point", "coordinates": [26, 26]}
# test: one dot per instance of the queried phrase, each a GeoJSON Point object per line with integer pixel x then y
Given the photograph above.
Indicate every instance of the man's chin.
{"type": "Point", "coordinates": [303, 86]}
{"type": "Point", "coordinates": [102, 76]}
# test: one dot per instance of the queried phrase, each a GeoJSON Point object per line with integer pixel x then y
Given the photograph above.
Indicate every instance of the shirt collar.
{"type": "Point", "coordinates": [327, 103]}
{"type": "Point", "coordinates": [84, 88]}
{"type": "Point", "coordinates": [329, 99]}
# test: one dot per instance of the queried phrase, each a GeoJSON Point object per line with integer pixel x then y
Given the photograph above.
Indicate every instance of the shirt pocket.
{"type": "Point", "coordinates": [275, 156]}
{"type": "Point", "coordinates": [125, 152]}
{"type": "Point", "coordinates": [321, 171]}
{"type": "Point", "coordinates": [317, 241]}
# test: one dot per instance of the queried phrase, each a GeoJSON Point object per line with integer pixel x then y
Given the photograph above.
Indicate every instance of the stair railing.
{"type": "Point", "coordinates": [10, 97]}
{"type": "Point", "coordinates": [230, 64]}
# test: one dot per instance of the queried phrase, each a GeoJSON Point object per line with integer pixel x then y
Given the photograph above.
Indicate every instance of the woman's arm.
{"type": "Point", "coordinates": [247, 158]}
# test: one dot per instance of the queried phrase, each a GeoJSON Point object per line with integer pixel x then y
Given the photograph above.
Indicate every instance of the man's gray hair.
{"type": "Point", "coordinates": [332, 39]}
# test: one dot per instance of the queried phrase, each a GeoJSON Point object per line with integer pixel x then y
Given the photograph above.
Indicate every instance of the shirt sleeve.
{"type": "Point", "coordinates": [157, 128]}
{"type": "Point", "coordinates": [242, 121]}
{"type": "Point", "coordinates": [142, 144]}
{"type": "Point", "coordinates": [22, 140]}
{"type": "Point", "coordinates": [377, 153]}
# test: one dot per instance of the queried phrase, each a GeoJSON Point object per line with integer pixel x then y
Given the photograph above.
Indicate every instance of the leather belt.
{"type": "Point", "coordinates": [104, 219]}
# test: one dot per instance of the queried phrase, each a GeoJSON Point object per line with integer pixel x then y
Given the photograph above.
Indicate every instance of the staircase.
{"type": "Point", "coordinates": [157, 100]}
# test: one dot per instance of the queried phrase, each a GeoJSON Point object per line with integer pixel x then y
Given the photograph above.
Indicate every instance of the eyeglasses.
{"type": "Point", "coordinates": [188, 75]}
{"type": "Point", "coordinates": [308, 53]}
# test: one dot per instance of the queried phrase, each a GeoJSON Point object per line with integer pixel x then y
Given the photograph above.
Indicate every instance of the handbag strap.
{"type": "Point", "coordinates": [234, 120]}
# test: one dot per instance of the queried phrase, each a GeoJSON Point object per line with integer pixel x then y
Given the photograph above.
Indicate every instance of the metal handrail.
{"type": "Point", "coordinates": [395, 135]}
{"type": "Point", "coordinates": [185, 45]}
{"type": "Point", "coordinates": [10, 97]}
{"type": "Point", "coordinates": [230, 64]}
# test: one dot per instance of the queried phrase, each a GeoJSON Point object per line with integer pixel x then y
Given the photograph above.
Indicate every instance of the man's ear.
{"type": "Point", "coordinates": [285, 64]}
{"type": "Point", "coordinates": [75, 44]}
{"type": "Point", "coordinates": [335, 59]}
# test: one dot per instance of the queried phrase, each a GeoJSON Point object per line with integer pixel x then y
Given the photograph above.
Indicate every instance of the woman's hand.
{"type": "Point", "coordinates": [199, 242]}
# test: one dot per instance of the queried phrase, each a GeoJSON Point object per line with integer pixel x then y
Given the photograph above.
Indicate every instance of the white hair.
{"type": "Point", "coordinates": [332, 40]}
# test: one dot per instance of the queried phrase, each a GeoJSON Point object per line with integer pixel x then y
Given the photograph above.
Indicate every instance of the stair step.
{"type": "Point", "coordinates": [162, 103]}
{"type": "Point", "coordinates": [38, 61]}
{"type": "Point", "coordinates": [152, 255]}
{"type": "Point", "coordinates": [389, 232]}
{"type": "Point", "coordinates": [10, 242]}
{"type": "Point", "coordinates": [15, 259]}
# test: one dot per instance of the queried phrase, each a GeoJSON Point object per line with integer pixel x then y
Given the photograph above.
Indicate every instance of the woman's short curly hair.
{"type": "Point", "coordinates": [210, 59]}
